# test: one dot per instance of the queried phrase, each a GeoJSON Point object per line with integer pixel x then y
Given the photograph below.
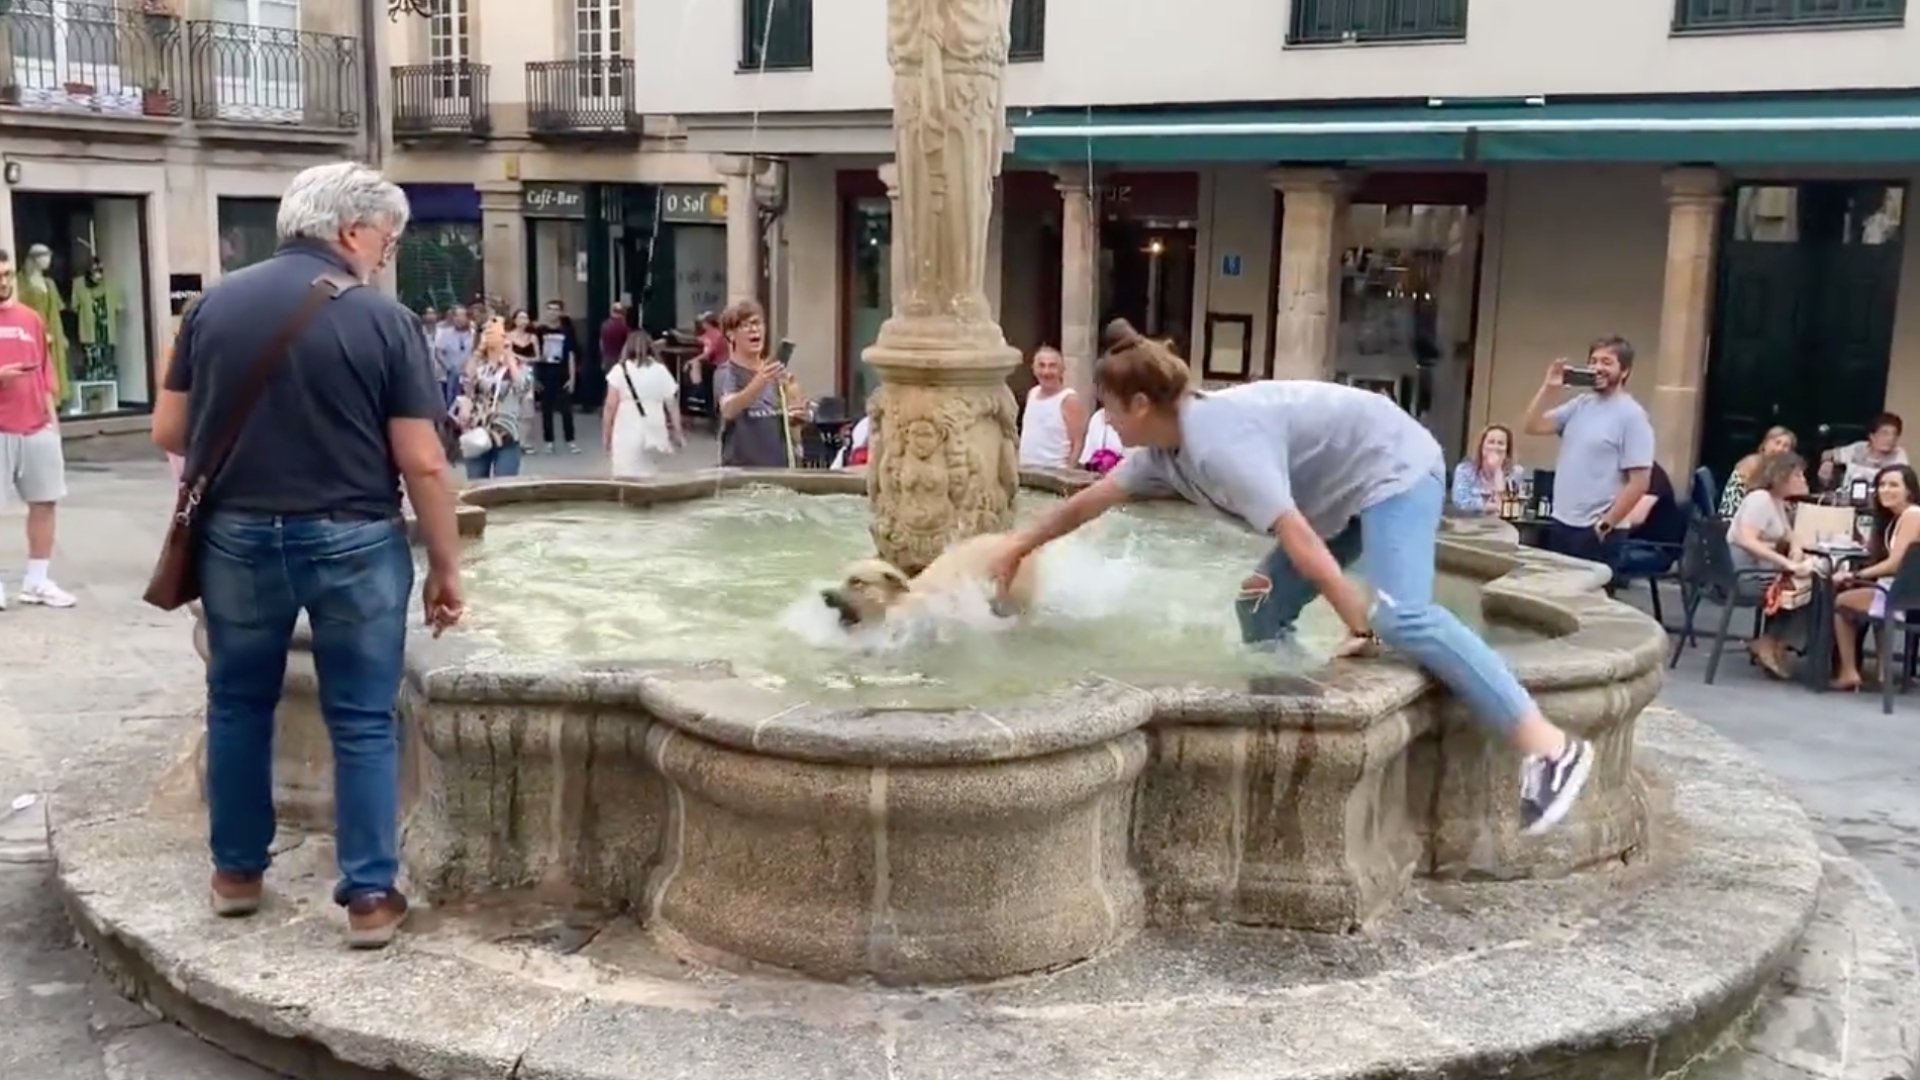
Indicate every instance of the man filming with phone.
{"type": "Point", "coordinates": [1606, 450]}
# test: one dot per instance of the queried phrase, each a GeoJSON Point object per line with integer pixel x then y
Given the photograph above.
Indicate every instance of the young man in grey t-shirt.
{"type": "Point", "coordinates": [1606, 452]}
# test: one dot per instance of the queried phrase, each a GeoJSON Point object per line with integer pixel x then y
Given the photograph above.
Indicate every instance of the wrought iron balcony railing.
{"type": "Point", "coordinates": [267, 75]}
{"type": "Point", "coordinates": [1319, 22]}
{"type": "Point", "coordinates": [1759, 14]}
{"type": "Point", "coordinates": [442, 98]}
{"type": "Point", "coordinates": [92, 57]}
{"type": "Point", "coordinates": [590, 96]}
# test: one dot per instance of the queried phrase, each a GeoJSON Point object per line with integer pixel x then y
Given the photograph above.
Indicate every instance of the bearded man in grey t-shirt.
{"type": "Point", "coordinates": [1606, 452]}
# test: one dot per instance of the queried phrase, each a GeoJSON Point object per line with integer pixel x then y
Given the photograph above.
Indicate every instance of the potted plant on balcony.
{"type": "Point", "coordinates": [162, 15]}
{"type": "Point", "coordinates": [155, 99]}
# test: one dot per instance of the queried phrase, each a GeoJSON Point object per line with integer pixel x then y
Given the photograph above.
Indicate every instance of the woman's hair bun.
{"type": "Point", "coordinates": [1122, 335]}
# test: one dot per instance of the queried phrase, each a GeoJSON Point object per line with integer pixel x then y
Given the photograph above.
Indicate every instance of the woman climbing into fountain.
{"type": "Point", "coordinates": [1336, 475]}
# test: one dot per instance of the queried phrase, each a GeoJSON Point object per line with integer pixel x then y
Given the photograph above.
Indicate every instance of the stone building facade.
{"type": "Point", "coordinates": [153, 138]}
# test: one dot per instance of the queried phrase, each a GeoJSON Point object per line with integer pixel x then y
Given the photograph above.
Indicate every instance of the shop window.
{"type": "Point", "coordinates": [83, 267]}
{"type": "Point", "coordinates": [777, 34]}
{"type": "Point", "coordinates": [1331, 22]}
{"type": "Point", "coordinates": [1763, 14]}
{"type": "Point", "coordinates": [438, 264]}
{"type": "Point", "coordinates": [1029, 40]}
{"type": "Point", "coordinates": [248, 233]}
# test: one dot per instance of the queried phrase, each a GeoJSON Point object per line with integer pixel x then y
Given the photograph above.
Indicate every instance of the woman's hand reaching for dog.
{"type": "Point", "coordinates": [1004, 567]}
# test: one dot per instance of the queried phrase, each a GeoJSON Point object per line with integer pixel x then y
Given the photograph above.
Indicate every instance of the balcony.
{"type": "Point", "coordinates": [71, 56]}
{"type": "Point", "coordinates": [581, 98]}
{"type": "Point", "coordinates": [267, 76]}
{"type": "Point", "coordinates": [445, 99]}
{"type": "Point", "coordinates": [1336, 22]}
{"type": "Point", "coordinates": [1696, 15]}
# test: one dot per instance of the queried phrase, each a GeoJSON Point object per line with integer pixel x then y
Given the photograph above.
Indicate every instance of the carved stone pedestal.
{"type": "Point", "coordinates": [945, 462]}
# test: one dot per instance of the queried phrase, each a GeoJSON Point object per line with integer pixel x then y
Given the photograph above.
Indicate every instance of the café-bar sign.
{"type": "Point", "coordinates": [699, 204]}
{"type": "Point", "coordinates": [541, 199]}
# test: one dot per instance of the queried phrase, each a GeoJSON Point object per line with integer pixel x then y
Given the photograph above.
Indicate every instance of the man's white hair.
{"type": "Point", "coordinates": [327, 199]}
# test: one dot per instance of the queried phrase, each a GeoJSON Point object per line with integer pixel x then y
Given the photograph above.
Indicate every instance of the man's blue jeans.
{"type": "Point", "coordinates": [1393, 541]}
{"type": "Point", "coordinates": [352, 576]}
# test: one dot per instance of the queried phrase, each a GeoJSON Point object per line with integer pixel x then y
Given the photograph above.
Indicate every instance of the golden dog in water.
{"type": "Point", "coordinates": [872, 591]}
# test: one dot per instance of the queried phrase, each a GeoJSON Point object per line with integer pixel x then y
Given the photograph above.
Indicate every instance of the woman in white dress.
{"type": "Point", "coordinates": [642, 415]}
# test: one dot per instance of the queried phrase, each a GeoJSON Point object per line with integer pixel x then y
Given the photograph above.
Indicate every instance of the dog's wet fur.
{"type": "Point", "coordinates": [874, 590]}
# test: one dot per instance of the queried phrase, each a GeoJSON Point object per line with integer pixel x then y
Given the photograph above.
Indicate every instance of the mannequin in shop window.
{"type": "Point", "coordinates": [97, 307]}
{"type": "Point", "coordinates": [38, 291]}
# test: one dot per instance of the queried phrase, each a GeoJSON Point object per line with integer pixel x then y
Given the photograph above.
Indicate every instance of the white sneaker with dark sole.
{"type": "Point", "coordinates": [1549, 786]}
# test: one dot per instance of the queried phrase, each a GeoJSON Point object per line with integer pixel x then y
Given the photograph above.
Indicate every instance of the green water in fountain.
{"type": "Point", "coordinates": [1144, 595]}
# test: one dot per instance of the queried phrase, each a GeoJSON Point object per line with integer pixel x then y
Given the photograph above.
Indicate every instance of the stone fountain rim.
{"type": "Point", "coordinates": [1599, 643]}
{"type": "Point", "coordinates": [1717, 927]}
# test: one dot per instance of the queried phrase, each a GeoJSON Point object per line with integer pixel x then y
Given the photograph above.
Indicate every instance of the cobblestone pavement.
{"type": "Point", "coordinates": [70, 676]}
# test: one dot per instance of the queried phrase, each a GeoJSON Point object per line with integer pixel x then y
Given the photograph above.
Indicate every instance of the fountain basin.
{"type": "Point", "coordinates": [957, 844]}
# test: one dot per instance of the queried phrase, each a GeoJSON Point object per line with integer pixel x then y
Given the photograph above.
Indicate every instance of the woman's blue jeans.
{"type": "Point", "coordinates": [1393, 541]}
{"type": "Point", "coordinates": [501, 461]}
{"type": "Point", "coordinates": [352, 576]}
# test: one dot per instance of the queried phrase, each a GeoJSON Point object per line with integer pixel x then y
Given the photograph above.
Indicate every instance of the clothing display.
{"type": "Point", "coordinates": [97, 304]}
{"type": "Point", "coordinates": [39, 293]}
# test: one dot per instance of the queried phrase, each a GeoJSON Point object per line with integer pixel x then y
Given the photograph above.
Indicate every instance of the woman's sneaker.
{"type": "Point", "coordinates": [1549, 786]}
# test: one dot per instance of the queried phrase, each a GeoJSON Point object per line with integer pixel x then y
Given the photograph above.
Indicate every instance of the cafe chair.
{"type": "Point", "coordinates": [826, 433]}
{"type": "Point", "coordinates": [1650, 561]}
{"type": "Point", "coordinates": [1707, 573]}
{"type": "Point", "coordinates": [1901, 616]}
{"type": "Point", "coordinates": [1703, 493]}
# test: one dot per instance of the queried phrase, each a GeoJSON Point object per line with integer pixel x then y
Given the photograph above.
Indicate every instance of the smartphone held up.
{"type": "Point", "coordinates": [1579, 378]}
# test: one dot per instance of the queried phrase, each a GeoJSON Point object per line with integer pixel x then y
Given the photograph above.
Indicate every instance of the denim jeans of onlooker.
{"type": "Point", "coordinates": [1393, 541]}
{"type": "Point", "coordinates": [352, 576]}
{"type": "Point", "coordinates": [500, 461]}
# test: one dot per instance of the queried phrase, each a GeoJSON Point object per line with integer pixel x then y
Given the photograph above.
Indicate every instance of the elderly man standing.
{"type": "Point", "coordinates": [30, 451]}
{"type": "Point", "coordinates": [304, 515]}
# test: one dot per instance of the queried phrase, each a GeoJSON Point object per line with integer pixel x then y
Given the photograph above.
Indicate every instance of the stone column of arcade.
{"type": "Point", "coordinates": [1694, 197]}
{"type": "Point", "coordinates": [743, 227]}
{"type": "Point", "coordinates": [944, 463]}
{"type": "Point", "coordinates": [1079, 258]}
{"type": "Point", "coordinates": [1307, 319]}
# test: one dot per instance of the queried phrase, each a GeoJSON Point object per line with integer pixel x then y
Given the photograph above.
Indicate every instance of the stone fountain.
{"type": "Point", "coordinates": [643, 867]}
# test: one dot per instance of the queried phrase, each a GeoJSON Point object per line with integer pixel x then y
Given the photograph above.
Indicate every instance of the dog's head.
{"type": "Point", "coordinates": [867, 589]}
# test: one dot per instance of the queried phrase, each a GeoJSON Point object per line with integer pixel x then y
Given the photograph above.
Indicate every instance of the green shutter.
{"type": "Point", "coordinates": [1320, 22]}
{"type": "Point", "coordinates": [1745, 14]}
{"type": "Point", "coordinates": [776, 34]}
{"type": "Point", "coordinates": [1029, 37]}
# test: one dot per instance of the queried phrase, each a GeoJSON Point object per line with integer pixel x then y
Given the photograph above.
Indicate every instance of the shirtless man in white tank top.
{"type": "Point", "coordinates": [1056, 419]}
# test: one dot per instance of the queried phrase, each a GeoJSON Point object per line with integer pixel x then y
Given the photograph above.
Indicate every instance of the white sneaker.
{"type": "Point", "coordinates": [46, 594]}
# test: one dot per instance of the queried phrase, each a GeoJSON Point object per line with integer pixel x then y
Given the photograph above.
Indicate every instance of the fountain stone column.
{"type": "Point", "coordinates": [944, 463]}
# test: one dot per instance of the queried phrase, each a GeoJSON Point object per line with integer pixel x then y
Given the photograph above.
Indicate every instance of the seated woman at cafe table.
{"type": "Point", "coordinates": [1777, 440]}
{"type": "Point", "coordinates": [1481, 481]}
{"type": "Point", "coordinates": [1759, 536]}
{"type": "Point", "coordinates": [1862, 592]}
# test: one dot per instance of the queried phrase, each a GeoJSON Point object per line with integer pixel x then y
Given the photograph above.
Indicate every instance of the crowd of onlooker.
{"type": "Point", "coordinates": [1607, 500]}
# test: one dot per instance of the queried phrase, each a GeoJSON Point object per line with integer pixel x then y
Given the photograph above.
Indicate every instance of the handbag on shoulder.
{"type": "Point", "coordinates": [176, 575]}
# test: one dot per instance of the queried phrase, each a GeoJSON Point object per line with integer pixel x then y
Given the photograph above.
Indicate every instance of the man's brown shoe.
{"type": "Point", "coordinates": [374, 918]}
{"type": "Point", "coordinates": [235, 894]}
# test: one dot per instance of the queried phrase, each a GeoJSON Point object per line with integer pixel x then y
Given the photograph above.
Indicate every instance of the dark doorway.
{"type": "Point", "coordinates": [1803, 323]}
{"type": "Point", "coordinates": [1146, 277]}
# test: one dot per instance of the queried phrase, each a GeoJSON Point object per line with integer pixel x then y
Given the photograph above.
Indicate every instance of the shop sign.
{"type": "Point", "coordinates": [698, 204]}
{"type": "Point", "coordinates": [549, 200]}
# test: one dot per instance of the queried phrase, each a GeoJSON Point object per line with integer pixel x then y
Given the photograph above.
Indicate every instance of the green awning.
{"type": "Point", "coordinates": [1879, 128]}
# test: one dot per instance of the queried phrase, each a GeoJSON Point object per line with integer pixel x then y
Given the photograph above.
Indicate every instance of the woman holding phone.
{"type": "Point", "coordinates": [757, 396]}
